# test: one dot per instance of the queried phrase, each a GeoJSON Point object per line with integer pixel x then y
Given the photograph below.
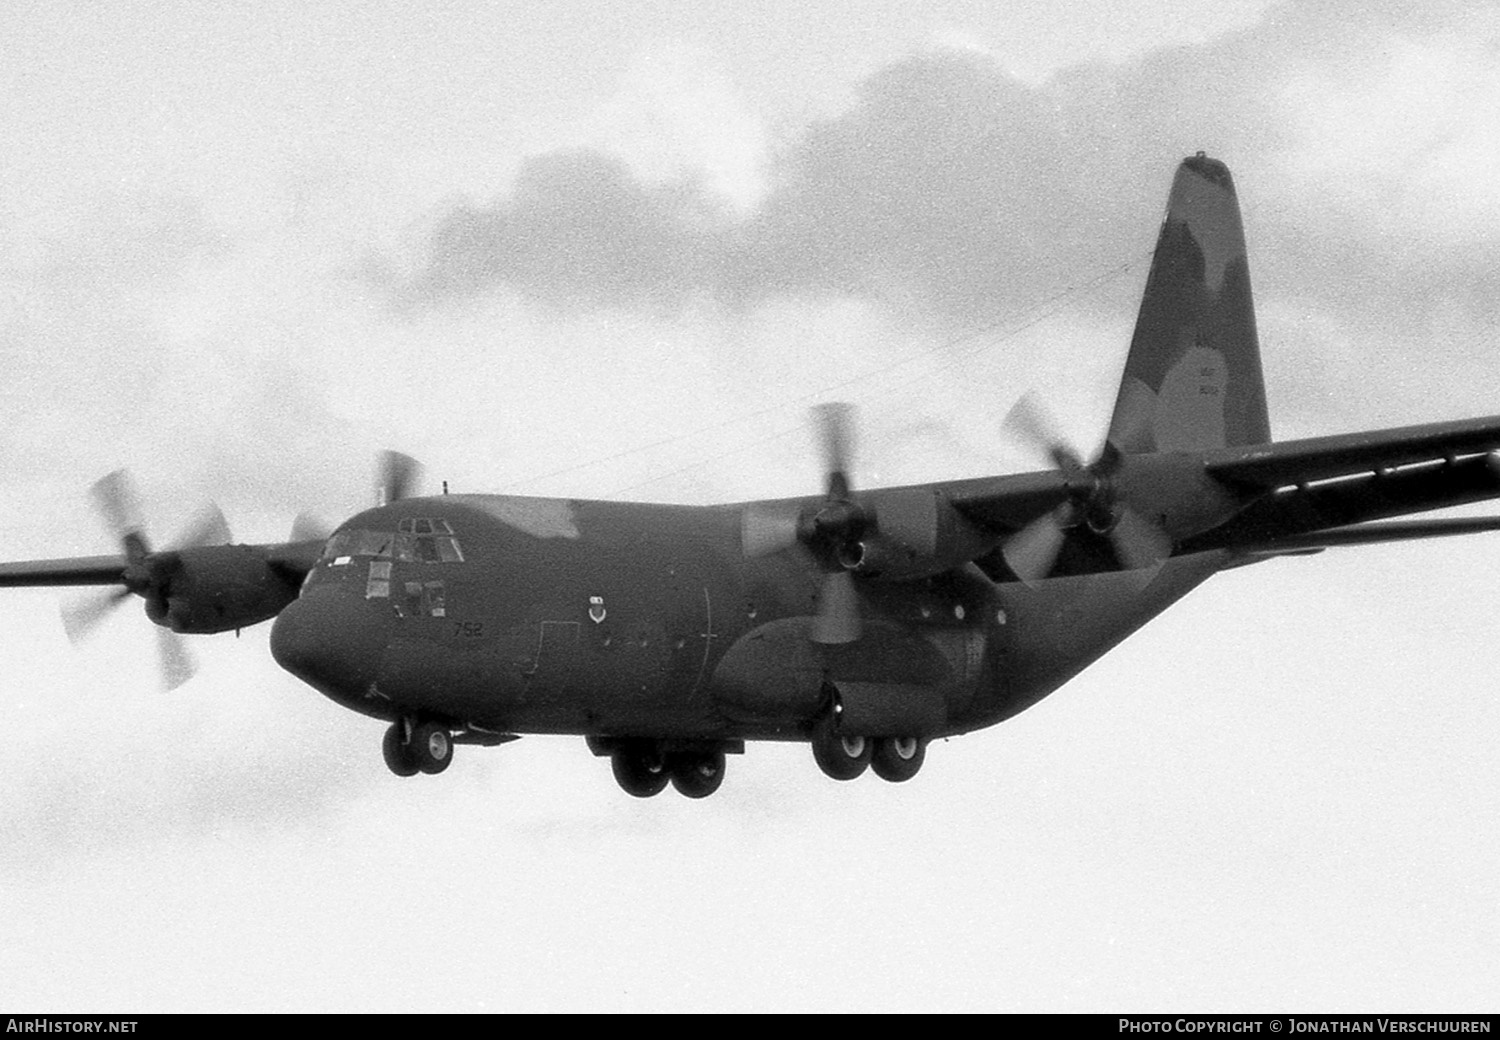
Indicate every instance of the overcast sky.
{"type": "Point", "coordinates": [617, 250]}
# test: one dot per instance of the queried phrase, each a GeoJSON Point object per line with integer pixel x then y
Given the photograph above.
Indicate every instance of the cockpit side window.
{"type": "Point", "coordinates": [423, 599]}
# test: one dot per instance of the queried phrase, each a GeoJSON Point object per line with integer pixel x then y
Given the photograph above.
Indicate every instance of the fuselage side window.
{"type": "Point", "coordinates": [434, 599]}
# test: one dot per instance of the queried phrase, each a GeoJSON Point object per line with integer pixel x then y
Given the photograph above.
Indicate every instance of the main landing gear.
{"type": "Point", "coordinates": [427, 748]}
{"type": "Point", "coordinates": [643, 768]}
{"type": "Point", "coordinates": [846, 756]}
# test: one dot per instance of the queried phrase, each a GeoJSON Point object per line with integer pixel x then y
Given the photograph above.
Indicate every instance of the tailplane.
{"type": "Point", "coordinates": [1193, 378]}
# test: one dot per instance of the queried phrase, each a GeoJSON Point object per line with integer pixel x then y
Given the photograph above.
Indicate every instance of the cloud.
{"type": "Point", "coordinates": [952, 193]}
{"type": "Point", "coordinates": [579, 229]}
{"type": "Point", "coordinates": [928, 189]}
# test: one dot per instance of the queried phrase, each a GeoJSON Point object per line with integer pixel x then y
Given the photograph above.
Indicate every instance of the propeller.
{"type": "Point", "coordinates": [308, 528]}
{"type": "Point", "coordinates": [836, 528]}
{"type": "Point", "coordinates": [147, 574]}
{"type": "Point", "coordinates": [1095, 498]}
{"type": "Point", "coordinates": [831, 531]}
{"type": "Point", "coordinates": [397, 477]}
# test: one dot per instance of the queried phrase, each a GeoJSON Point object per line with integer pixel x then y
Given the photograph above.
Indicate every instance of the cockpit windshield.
{"type": "Point", "coordinates": [414, 541]}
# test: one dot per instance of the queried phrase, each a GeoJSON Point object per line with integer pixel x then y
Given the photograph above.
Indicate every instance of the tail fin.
{"type": "Point", "coordinates": [1193, 378]}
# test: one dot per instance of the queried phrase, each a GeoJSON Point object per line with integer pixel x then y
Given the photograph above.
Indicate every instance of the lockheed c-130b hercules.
{"type": "Point", "coordinates": [864, 622]}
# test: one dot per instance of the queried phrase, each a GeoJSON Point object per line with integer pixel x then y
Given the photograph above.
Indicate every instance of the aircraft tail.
{"type": "Point", "coordinates": [1193, 378]}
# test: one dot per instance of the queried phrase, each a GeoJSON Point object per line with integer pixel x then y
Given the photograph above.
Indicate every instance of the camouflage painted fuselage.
{"type": "Point", "coordinates": [624, 619]}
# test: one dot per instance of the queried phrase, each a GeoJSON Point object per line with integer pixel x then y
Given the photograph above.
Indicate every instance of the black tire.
{"type": "Point", "coordinates": [897, 759]}
{"type": "Point", "coordinates": [397, 756]}
{"type": "Point", "coordinates": [639, 769]}
{"type": "Point", "coordinates": [840, 756]}
{"type": "Point", "coordinates": [697, 774]}
{"type": "Point", "coordinates": [431, 747]}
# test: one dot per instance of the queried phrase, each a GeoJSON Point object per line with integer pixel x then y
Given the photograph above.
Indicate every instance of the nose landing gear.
{"type": "Point", "coordinates": [427, 748]}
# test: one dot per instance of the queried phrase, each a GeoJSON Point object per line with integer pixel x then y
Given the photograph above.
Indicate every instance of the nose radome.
{"type": "Point", "coordinates": [331, 640]}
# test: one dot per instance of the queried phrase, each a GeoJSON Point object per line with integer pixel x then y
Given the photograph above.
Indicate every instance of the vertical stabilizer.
{"type": "Point", "coordinates": [1193, 379]}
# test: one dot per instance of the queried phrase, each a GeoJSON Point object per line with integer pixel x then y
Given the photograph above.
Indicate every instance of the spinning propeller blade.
{"type": "Point", "coordinates": [827, 530]}
{"type": "Point", "coordinates": [1032, 551]}
{"type": "Point", "coordinates": [177, 663]}
{"type": "Point", "coordinates": [308, 528]}
{"type": "Point", "coordinates": [1138, 542]}
{"type": "Point", "coordinates": [1030, 422]}
{"type": "Point", "coordinates": [837, 620]}
{"type": "Point", "coordinates": [769, 527]}
{"type": "Point", "coordinates": [835, 422]}
{"type": "Point", "coordinates": [119, 506]}
{"type": "Point", "coordinates": [147, 573]}
{"type": "Point", "coordinates": [208, 527]}
{"type": "Point", "coordinates": [82, 615]}
{"type": "Point", "coordinates": [397, 477]}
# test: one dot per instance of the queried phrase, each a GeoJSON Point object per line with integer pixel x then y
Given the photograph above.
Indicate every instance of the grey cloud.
{"type": "Point", "coordinates": [579, 229]}
{"type": "Point", "coordinates": [930, 188]}
{"type": "Point", "coordinates": [940, 184]}
{"type": "Point", "coordinates": [951, 190]}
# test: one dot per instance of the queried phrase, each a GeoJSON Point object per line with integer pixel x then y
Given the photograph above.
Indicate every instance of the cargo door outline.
{"type": "Point", "coordinates": [556, 660]}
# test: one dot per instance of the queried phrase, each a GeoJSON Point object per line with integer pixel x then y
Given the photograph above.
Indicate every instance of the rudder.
{"type": "Point", "coordinates": [1193, 377]}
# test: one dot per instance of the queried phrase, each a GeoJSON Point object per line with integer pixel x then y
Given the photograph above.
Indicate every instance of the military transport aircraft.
{"type": "Point", "coordinates": [865, 623]}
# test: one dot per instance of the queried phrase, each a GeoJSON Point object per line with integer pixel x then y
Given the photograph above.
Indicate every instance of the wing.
{"type": "Point", "coordinates": [1266, 466]}
{"type": "Point", "coordinates": [1271, 499]}
{"type": "Point", "coordinates": [1007, 504]}
{"type": "Point", "coordinates": [74, 570]}
{"type": "Point", "coordinates": [290, 560]}
{"type": "Point", "coordinates": [1306, 494]}
{"type": "Point", "coordinates": [1374, 534]}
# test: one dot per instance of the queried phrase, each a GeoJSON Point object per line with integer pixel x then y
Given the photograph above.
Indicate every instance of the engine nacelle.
{"type": "Point", "coordinates": [916, 533]}
{"type": "Point", "coordinates": [216, 588]}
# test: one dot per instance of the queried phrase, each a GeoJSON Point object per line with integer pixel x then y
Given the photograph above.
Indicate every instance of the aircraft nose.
{"type": "Point", "coordinates": [331, 641]}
